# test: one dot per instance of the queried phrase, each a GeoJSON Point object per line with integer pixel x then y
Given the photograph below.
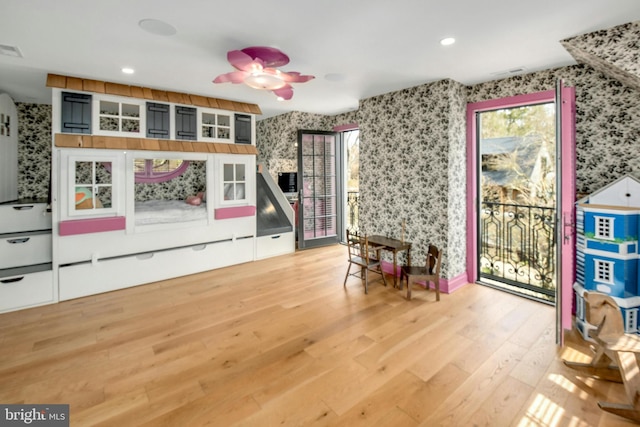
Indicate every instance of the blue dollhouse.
{"type": "Point", "coordinates": [607, 253]}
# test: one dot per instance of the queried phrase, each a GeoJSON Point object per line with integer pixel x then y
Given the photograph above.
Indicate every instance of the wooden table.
{"type": "Point", "coordinates": [393, 245]}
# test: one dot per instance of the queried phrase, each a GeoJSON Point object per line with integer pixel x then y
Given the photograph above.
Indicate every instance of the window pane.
{"type": "Point", "coordinates": [129, 110]}
{"type": "Point", "coordinates": [224, 120]}
{"type": "Point", "coordinates": [104, 197]}
{"type": "Point", "coordinates": [228, 172]}
{"type": "Point", "coordinates": [102, 173]}
{"type": "Point", "coordinates": [239, 191]}
{"type": "Point", "coordinates": [110, 108]}
{"type": "Point", "coordinates": [228, 191]}
{"type": "Point", "coordinates": [240, 172]}
{"type": "Point", "coordinates": [84, 173]}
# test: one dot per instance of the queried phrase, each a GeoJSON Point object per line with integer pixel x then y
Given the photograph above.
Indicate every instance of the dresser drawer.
{"type": "Point", "coordinates": [16, 218]}
{"type": "Point", "coordinates": [22, 289]}
{"type": "Point", "coordinates": [20, 249]}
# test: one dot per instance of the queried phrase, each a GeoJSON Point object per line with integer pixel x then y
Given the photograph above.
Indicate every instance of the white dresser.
{"type": "Point", "coordinates": [26, 277]}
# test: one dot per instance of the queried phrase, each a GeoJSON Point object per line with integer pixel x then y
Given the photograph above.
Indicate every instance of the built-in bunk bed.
{"type": "Point", "coordinates": [129, 209]}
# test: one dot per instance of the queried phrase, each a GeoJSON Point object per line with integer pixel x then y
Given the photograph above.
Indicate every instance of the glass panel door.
{"type": "Point", "coordinates": [318, 160]}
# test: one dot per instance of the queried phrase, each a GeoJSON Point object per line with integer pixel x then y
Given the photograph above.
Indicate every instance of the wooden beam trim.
{"type": "Point", "coordinates": [66, 140]}
{"type": "Point", "coordinates": [98, 86]}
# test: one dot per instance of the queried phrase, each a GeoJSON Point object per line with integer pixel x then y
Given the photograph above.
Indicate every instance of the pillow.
{"type": "Point", "coordinates": [84, 199]}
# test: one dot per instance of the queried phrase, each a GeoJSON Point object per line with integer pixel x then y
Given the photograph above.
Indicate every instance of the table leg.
{"type": "Point", "coordinates": [395, 268]}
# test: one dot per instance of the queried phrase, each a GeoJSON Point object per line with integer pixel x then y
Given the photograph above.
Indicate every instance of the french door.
{"type": "Point", "coordinates": [500, 222]}
{"type": "Point", "coordinates": [319, 218]}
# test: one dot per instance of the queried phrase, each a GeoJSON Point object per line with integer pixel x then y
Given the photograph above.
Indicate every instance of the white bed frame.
{"type": "Point", "coordinates": [124, 255]}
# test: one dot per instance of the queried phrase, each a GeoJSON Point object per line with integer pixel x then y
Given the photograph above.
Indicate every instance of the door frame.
{"type": "Point", "coordinates": [329, 240]}
{"type": "Point", "coordinates": [566, 193]}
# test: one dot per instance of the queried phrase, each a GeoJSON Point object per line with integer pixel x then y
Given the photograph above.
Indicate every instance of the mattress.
{"type": "Point", "coordinates": [168, 211]}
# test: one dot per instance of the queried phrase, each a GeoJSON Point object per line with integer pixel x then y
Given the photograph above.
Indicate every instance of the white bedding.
{"type": "Point", "coordinates": [168, 211]}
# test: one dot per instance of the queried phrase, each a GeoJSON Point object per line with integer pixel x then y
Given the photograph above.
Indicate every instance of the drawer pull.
{"type": "Point", "coordinates": [12, 280]}
{"type": "Point", "coordinates": [23, 208]}
{"type": "Point", "coordinates": [275, 237]}
{"type": "Point", "coordinates": [143, 257]}
{"type": "Point", "coordinates": [199, 248]}
{"type": "Point", "coordinates": [14, 241]}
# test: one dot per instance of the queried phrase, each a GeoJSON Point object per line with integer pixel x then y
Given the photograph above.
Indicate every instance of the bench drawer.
{"type": "Point", "coordinates": [17, 218]}
{"type": "Point", "coordinates": [22, 249]}
{"type": "Point", "coordinates": [24, 290]}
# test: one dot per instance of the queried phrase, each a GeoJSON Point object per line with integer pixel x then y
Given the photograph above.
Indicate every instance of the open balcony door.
{"type": "Point", "coordinates": [318, 179]}
{"type": "Point", "coordinates": [565, 201]}
{"type": "Point", "coordinates": [564, 98]}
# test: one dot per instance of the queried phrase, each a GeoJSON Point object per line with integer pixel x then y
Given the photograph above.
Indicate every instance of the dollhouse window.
{"type": "Point", "coordinates": [604, 271]}
{"type": "Point", "coordinates": [604, 228]}
{"type": "Point", "coordinates": [234, 181]}
{"type": "Point", "coordinates": [631, 320]}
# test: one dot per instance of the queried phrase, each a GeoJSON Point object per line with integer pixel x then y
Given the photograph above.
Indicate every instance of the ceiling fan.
{"type": "Point", "coordinates": [257, 68]}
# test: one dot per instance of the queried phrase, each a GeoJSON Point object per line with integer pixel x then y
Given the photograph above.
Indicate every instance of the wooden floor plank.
{"type": "Point", "coordinates": [282, 342]}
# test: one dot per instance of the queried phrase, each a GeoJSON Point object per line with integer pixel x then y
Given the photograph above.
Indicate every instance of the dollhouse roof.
{"type": "Point", "coordinates": [623, 192]}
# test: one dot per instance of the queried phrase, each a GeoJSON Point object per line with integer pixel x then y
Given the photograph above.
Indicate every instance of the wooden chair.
{"type": "Point", "coordinates": [429, 273]}
{"type": "Point", "coordinates": [365, 257]}
{"type": "Point", "coordinates": [616, 353]}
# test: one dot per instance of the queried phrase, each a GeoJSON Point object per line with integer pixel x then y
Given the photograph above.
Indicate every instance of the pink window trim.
{"type": "Point", "coordinates": [346, 127]}
{"type": "Point", "coordinates": [234, 212]}
{"type": "Point", "coordinates": [92, 225]}
{"type": "Point", "coordinates": [472, 170]}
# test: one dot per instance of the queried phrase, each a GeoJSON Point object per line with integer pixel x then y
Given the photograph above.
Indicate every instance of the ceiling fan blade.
{"type": "Point", "coordinates": [243, 61]}
{"type": "Point", "coordinates": [285, 92]}
{"type": "Point", "coordinates": [295, 77]}
{"type": "Point", "coordinates": [269, 56]}
{"type": "Point", "coordinates": [234, 77]}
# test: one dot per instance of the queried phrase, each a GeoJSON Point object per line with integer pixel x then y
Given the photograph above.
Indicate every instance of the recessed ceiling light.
{"type": "Point", "coordinates": [128, 70]}
{"type": "Point", "coordinates": [155, 26]}
{"type": "Point", "coordinates": [447, 41]}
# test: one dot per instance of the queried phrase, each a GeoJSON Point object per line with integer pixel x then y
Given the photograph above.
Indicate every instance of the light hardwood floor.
{"type": "Point", "coordinates": [279, 342]}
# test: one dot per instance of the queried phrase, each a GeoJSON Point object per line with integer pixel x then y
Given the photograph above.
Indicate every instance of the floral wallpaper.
{"type": "Point", "coordinates": [34, 150]}
{"type": "Point", "coordinates": [615, 52]}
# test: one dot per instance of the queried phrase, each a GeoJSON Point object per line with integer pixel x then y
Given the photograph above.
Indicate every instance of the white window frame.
{"type": "Point", "coordinates": [597, 270]}
{"type": "Point", "coordinates": [600, 225]}
{"type": "Point", "coordinates": [631, 320]}
{"type": "Point", "coordinates": [96, 114]}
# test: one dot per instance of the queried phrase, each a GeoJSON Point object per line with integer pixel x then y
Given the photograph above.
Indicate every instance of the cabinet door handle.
{"type": "Point", "coordinates": [23, 208]}
{"type": "Point", "coordinates": [12, 280]}
{"type": "Point", "coordinates": [14, 241]}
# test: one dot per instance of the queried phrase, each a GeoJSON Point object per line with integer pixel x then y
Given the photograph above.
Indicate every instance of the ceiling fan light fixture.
{"type": "Point", "coordinates": [257, 68]}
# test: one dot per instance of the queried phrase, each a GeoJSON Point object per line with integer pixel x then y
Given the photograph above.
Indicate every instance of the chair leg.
{"type": "Point", "coordinates": [344, 285]}
{"type": "Point", "coordinates": [437, 285]}
{"type": "Point", "coordinates": [366, 281]}
{"type": "Point", "coordinates": [409, 284]}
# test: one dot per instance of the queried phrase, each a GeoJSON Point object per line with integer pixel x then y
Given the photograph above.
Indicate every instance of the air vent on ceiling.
{"type": "Point", "coordinates": [511, 72]}
{"type": "Point", "coordinates": [7, 50]}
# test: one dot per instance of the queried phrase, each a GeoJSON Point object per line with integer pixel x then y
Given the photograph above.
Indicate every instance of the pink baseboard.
{"type": "Point", "coordinates": [92, 225]}
{"type": "Point", "coordinates": [446, 285]}
{"type": "Point", "coordinates": [234, 212]}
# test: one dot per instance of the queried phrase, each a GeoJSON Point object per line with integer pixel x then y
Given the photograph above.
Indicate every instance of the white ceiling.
{"type": "Point", "coordinates": [372, 46]}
